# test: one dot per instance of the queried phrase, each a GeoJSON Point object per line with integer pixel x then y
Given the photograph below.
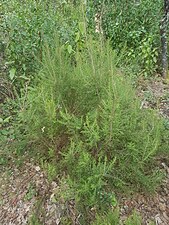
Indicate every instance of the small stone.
{"type": "Point", "coordinates": [125, 207]}
{"type": "Point", "coordinates": [162, 207]}
{"type": "Point", "coordinates": [122, 211]}
{"type": "Point", "coordinates": [149, 209]}
{"type": "Point", "coordinates": [158, 220]}
{"type": "Point", "coordinates": [54, 184]}
{"type": "Point", "coordinates": [37, 168]}
{"type": "Point", "coordinates": [164, 165]}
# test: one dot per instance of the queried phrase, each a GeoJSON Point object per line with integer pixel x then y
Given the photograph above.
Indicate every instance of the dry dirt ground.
{"type": "Point", "coordinates": [26, 194]}
{"type": "Point", "coordinates": [152, 208]}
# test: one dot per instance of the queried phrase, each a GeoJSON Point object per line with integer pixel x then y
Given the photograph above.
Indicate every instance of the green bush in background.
{"type": "Point", "coordinates": [24, 29]}
{"type": "Point", "coordinates": [132, 26]}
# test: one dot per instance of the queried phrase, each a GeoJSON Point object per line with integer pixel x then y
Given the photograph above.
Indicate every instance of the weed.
{"type": "Point", "coordinates": [110, 218]}
{"type": "Point", "coordinates": [38, 213]}
{"type": "Point", "coordinates": [134, 219]}
{"type": "Point", "coordinates": [50, 169]}
{"type": "Point", "coordinates": [34, 220]}
{"type": "Point", "coordinates": [30, 193]}
{"type": "Point", "coordinates": [113, 218]}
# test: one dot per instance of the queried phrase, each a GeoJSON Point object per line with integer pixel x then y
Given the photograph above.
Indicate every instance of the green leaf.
{"type": "Point", "coordinates": [70, 49]}
{"type": "Point", "coordinates": [77, 37]}
{"type": "Point", "coordinates": [154, 60]}
{"type": "Point", "coordinates": [114, 201]}
{"type": "Point", "coordinates": [24, 77]}
{"type": "Point", "coordinates": [82, 27]}
{"type": "Point", "coordinates": [12, 73]}
{"type": "Point", "coordinates": [4, 132]}
{"type": "Point", "coordinates": [6, 120]}
{"type": "Point", "coordinates": [24, 67]}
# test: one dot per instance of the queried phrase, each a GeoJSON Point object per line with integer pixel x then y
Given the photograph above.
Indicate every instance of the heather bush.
{"type": "Point", "coordinates": [90, 116]}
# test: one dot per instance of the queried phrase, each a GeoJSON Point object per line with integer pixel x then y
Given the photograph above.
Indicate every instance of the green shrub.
{"type": "Point", "coordinates": [133, 26]}
{"type": "Point", "coordinates": [134, 219]}
{"type": "Point", "coordinates": [110, 218]}
{"type": "Point", "coordinates": [91, 117]}
{"type": "Point", "coordinates": [25, 27]}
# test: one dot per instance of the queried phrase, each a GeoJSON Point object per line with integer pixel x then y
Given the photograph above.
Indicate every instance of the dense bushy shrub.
{"type": "Point", "coordinates": [90, 116]}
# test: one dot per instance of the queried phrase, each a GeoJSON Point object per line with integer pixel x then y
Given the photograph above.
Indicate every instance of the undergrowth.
{"type": "Point", "coordinates": [112, 218]}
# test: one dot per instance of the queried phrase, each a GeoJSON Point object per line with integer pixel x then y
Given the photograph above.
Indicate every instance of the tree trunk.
{"type": "Point", "coordinates": [163, 33]}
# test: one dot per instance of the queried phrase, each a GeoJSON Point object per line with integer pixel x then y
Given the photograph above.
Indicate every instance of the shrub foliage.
{"type": "Point", "coordinates": [90, 116]}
